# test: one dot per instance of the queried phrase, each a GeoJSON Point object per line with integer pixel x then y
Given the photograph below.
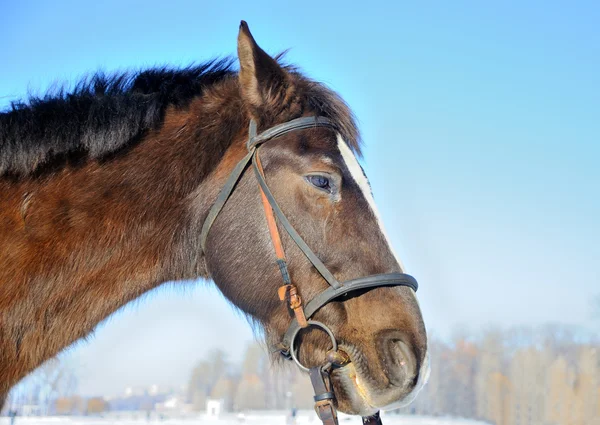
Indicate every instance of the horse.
{"type": "Point", "coordinates": [124, 182]}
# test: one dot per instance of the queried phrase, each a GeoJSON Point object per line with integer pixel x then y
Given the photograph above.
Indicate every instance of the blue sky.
{"type": "Point", "coordinates": [482, 132]}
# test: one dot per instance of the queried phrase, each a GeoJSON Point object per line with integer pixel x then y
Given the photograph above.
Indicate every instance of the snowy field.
{"type": "Point", "coordinates": [305, 418]}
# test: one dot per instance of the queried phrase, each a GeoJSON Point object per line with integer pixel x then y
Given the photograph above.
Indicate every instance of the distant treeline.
{"type": "Point", "coordinates": [546, 376]}
{"type": "Point", "coordinates": [522, 376]}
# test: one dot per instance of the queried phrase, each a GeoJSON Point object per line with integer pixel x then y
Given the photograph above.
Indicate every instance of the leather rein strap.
{"type": "Point", "coordinates": [324, 397]}
{"type": "Point", "coordinates": [320, 378]}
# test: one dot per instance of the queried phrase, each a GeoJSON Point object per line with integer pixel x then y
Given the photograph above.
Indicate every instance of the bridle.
{"type": "Point", "coordinates": [288, 292]}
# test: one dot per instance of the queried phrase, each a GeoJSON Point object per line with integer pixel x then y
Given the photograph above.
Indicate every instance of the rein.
{"type": "Point", "coordinates": [288, 292]}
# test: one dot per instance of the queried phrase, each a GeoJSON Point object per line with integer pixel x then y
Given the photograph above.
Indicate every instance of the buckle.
{"type": "Point", "coordinates": [326, 412]}
{"type": "Point", "coordinates": [290, 292]}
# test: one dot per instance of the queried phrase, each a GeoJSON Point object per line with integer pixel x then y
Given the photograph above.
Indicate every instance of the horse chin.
{"type": "Point", "coordinates": [351, 396]}
{"type": "Point", "coordinates": [357, 397]}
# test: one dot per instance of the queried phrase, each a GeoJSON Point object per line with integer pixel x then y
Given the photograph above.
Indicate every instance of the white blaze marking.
{"type": "Point", "coordinates": [361, 180]}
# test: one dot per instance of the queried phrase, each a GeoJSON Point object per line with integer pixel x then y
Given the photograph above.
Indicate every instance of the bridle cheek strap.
{"type": "Point", "coordinates": [320, 377]}
{"type": "Point", "coordinates": [287, 292]}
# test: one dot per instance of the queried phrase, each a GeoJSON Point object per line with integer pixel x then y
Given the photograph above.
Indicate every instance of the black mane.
{"type": "Point", "coordinates": [102, 114]}
{"type": "Point", "coordinates": [105, 113]}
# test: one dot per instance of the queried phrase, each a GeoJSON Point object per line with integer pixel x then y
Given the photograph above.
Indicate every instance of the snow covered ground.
{"type": "Point", "coordinates": [268, 418]}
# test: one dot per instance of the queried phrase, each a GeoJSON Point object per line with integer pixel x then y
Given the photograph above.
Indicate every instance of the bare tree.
{"type": "Point", "coordinates": [204, 377]}
{"type": "Point", "coordinates": [54, 379]}
{"type": "Point", "coordinates": [250, 393]}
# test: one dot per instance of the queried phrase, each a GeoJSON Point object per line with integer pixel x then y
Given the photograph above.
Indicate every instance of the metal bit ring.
{"type": "Point", "coordinates": [295, 334]}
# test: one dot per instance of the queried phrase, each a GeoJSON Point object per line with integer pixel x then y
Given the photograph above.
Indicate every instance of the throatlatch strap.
{"type": "Point", "coordinates": [223, 196]}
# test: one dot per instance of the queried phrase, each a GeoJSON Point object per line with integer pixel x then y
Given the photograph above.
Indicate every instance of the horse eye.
{"type": "Point", "coordinates": [319, 181]}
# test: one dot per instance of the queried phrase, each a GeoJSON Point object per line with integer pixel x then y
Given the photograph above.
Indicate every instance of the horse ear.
{"type": "Point", "coordinates": [262, 80]}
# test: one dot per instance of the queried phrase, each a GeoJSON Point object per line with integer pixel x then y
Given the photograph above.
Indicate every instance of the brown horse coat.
{"type": "Point", "coordinates": [103, 192]}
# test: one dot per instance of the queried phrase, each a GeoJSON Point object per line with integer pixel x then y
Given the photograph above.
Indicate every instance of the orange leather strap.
{"type": "Point", "coordinates": [270, 218]}
{"type": "Point", "coordinates": [287, 291]}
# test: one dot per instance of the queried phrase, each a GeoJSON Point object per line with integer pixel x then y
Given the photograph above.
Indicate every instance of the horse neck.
{"type": "Point", "coordinates": [83, 242]}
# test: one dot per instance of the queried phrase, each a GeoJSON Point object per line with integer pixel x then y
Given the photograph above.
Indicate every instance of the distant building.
{"type": "Point", "coordinates": [213, 408]}
{"type": "Point", "coordinates": [172, 405]}
{"type": "Point", "coordinates": [30, 410]}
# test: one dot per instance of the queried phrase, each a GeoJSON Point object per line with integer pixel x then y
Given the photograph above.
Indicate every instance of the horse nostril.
{"type": "Point", "coordinates": [399, 362]}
